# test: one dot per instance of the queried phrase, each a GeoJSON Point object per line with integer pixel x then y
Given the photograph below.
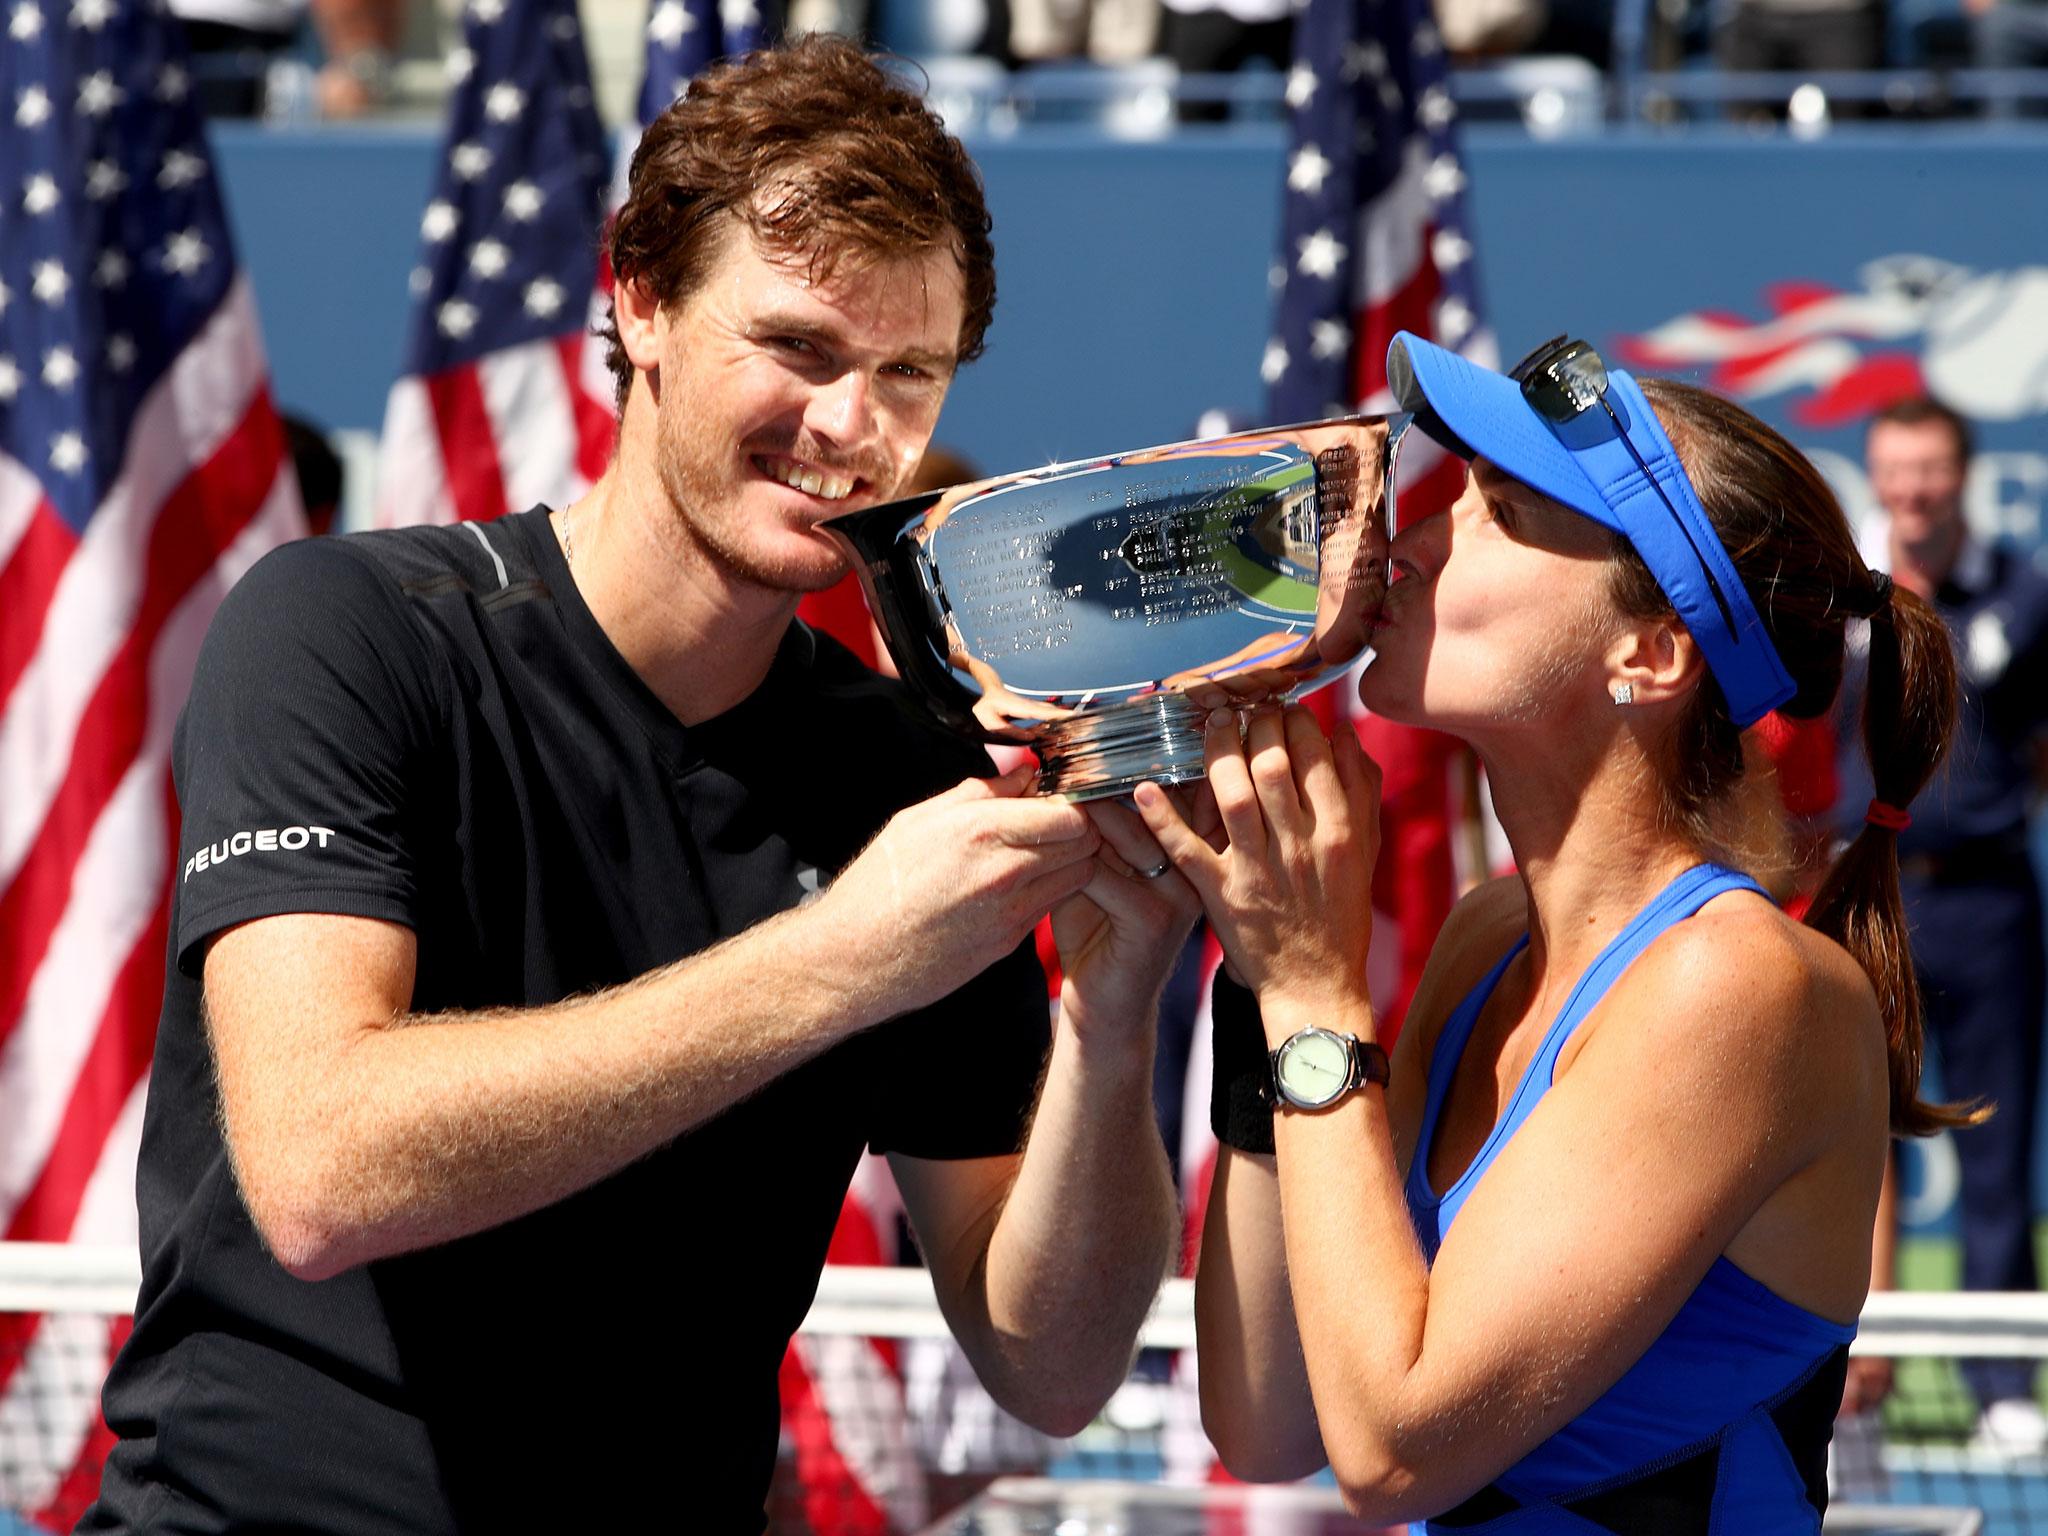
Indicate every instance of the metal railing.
{"type": "Point", "coordinates": [899, 1303]}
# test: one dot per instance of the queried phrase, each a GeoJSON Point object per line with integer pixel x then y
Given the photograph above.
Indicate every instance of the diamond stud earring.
{"type": "Point", "coordinates": [1624, 693]}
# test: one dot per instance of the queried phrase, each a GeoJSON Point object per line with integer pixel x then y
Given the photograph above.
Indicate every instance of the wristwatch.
{"type": "Point", "coordinates": [1314, 1068]}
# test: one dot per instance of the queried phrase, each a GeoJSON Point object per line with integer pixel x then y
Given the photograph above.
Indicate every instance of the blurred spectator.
{"type": "Point", "coordinates": [318, 469]}
{"type": "Point", "coordinates": [1970, 889]}
{"type": "Point", "coordinates": [2008, 34]}
{"type": "Point", "coordinates": [1213, 37]}
{"type": "Point", "coordinates": [1106, 31]}
{"type": "Point", "coordinates": [1489, 28]}
{"type": "Point", "coordinates": [1803, 35]}
{"type": "Point", "coordinates": [1585, 29]}
{"type": "Point", "coordinates": [360, 38]}
{"type": "Point", "coordinates": [234, 43]}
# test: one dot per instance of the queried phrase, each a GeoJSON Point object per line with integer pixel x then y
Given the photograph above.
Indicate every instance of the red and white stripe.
{"type": "Point", "coordinates": [1402, 290]}
{"type": "Point", "coordinates": [518, 427]}
{"type": "Point", "coordinates": [98, 638]}
{"type": "Point", "coordinates": [1817, 340]}
{"type": "Point", "coordinates": [1709, 337]}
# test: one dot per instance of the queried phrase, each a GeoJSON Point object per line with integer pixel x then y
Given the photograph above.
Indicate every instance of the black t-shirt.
{"type": "Point", "coordinates": [429, 727]}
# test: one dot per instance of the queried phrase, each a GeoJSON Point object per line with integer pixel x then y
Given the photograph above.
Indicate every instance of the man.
{"type": "Point", "coordinates": [1970, 889]}
{"type": "Point", "coordinates": [2009, 34]}
{"type": "Point", "coordinates": [532, 996]}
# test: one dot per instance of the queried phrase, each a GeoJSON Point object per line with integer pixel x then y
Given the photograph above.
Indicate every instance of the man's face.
{"type": "Point", "coordinates": [1916, 473]}
{"type": "Point", "coordinates": [781, 401]}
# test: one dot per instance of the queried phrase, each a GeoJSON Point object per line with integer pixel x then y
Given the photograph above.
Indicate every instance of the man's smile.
{"type": "Point", "coordinates": [828, 485]}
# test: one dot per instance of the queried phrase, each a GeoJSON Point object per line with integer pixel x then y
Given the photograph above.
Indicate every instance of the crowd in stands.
{"type": "Point", "coordinates": [340, 59]}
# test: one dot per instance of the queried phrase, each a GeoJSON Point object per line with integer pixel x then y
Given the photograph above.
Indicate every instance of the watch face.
{"type": "Point", "coordinates": [1314, 1066]}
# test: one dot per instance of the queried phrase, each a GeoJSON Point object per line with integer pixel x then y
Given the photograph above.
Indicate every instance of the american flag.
{"type": "Point", "coordinates": [1374, 241]}
{"type": "Point", "coordinates": [685, 35]}
{"type": "Point", "coordinates": [1374, 235]}
{"type": "Point", "coordinates": [682, 37]}
{"type": "Point", "coordinates": [492, 414]}
{"type": "Point", "coordinates": [142, 470]}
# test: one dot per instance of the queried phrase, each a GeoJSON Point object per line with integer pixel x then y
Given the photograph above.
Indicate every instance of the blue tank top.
{"type": "Point", "coordinates": [1722, 1426]}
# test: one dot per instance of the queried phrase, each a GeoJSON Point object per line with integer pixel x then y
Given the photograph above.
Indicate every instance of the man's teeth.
{"type": "Point", "coordinates": [810, 481]}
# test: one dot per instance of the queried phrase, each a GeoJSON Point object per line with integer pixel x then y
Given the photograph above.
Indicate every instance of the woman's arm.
{"type": "Point", "coordinates": [1256, 1404]}
{"type": "Point", "coordinates": [1702, 1093]}
{"type": "Point", "coordinates": [1590, 1229]}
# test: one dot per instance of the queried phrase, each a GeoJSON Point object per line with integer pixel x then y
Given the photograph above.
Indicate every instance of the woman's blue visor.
{"type": "Point", "coordinates": [1585, 436]}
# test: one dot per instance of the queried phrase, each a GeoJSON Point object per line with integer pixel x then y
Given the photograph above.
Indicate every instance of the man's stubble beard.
{"type": "Point", "coordinates": [691, 486]}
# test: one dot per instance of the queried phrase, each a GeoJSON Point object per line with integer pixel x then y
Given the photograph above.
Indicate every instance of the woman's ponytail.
{"type": "Point", "coordinates": [1782, 526]}
{"type": "Point", "coordinates": [1909, 710]}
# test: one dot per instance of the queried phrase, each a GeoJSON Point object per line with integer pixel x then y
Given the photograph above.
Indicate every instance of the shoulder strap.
{"type": "Point", "coordinates": [1448, 1051]}
{"type": "Point", "coordinates": [1684, 896]}
{"type": "Point", "coordinates": [1679, 900]}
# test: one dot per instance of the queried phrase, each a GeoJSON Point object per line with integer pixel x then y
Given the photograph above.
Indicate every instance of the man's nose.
{"type": "Point", "coordinates": [841, 410]}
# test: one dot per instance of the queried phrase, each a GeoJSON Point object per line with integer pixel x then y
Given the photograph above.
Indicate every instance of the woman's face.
{"type": "Point", "coordinates": [1499, 612]}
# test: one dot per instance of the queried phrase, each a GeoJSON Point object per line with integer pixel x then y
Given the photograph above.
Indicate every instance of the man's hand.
{"type": "Point", "coordinates": [1046, 1269]}
{"type": "Point", "coordinates": [1120, 937]}
{"type": "Point", "coordinates": [954, 883]}
{"type": "Point", "coordinates": [1867, 1385]}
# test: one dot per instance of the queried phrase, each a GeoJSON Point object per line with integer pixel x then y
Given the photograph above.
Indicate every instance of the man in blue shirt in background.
{"type": "Point", "coordinates": [1971, 892]}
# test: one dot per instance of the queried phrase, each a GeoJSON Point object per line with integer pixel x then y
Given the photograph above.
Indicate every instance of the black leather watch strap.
{"type": "Point", "coordinates": [1369, 1063]}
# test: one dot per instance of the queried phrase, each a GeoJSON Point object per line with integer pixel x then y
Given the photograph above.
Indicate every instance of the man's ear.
{"type": "Point", "coordinates": [1655, 660]}
{"type": "Point", "coordinates": [640, 324]}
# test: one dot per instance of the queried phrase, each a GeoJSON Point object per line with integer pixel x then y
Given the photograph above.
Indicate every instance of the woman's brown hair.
{"type": "Point", "coordinates": [1786, 533]}
{"type": "Point", "coordinates": [817, 154]}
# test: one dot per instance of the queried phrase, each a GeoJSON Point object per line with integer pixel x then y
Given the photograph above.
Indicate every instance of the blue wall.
{"type": "Point", "coordinates": [1133, 288]}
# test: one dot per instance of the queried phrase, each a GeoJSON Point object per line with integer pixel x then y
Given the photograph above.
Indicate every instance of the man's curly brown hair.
{"type": "Point", "coordinates": [820, 156]}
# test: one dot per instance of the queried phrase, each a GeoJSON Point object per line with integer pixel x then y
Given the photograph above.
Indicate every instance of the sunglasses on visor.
{"type": "Point", "coordinates": [1562, 380]}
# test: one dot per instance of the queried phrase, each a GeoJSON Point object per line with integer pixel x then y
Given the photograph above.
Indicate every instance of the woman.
{"type": "Point", "coordinates": [1587, 1255]}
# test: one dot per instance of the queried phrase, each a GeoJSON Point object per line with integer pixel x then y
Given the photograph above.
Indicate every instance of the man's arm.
{"type": "Point", "coordinates": [1046, 1264]}
{"type": "Point", "coordinates": [359, 1130]}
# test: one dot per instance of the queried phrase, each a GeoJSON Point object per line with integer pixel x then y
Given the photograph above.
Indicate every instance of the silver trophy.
{"type": "Point", "coordinates": [1096, 612]}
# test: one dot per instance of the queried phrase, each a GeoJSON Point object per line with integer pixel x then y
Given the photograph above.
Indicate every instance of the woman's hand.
{"type": "Point", "coordinates": [1119, 938]}
{"type": "Point", "coordinates": [1290, 895]}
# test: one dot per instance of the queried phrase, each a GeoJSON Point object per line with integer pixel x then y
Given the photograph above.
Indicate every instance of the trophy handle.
{"type": "Point", "coordinates": [908, 600]}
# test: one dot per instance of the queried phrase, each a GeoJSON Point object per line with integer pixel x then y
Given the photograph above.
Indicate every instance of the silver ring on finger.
{"type": "Point", "coordinates": [1157, 869]}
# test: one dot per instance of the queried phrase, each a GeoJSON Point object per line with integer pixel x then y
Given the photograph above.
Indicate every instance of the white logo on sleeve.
{"type": "Point", "coordinates": [261, 840]}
